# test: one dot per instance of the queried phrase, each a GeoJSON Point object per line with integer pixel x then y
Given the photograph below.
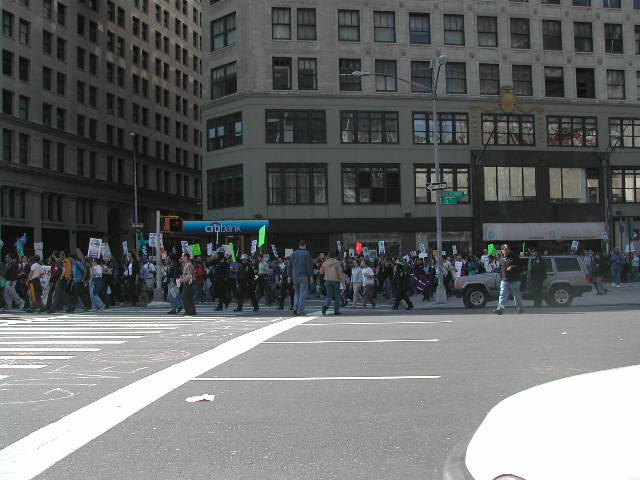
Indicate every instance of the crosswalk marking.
{"type": "Point", "coordinates": [67, 337]}
{"type": "Point", "coordinates": [75, 332]}
{"type": "Point", "coordinates": [15, 366]}
{"type": "Point", "coordinates": [47, 349]}
{"type": "Point", "coordinates": [67, 342]}
{"type": "Point", "coordinates": [36, 357]}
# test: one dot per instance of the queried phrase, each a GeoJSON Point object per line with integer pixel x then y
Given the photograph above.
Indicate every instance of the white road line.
{"type": "Point", "coordinates": [33, 454]}
{"type": "Point", "coordinates": [49, 349]}
{"type": "Point", "coordinates": [10, 366]}
{"type": "Point", "coordinates": [81, 337]}
{"type": "Point", "coordinates": [36, 357]}
{"type": "Point", "coordinates": [67, 342]}
{"type": "Point", "coordinates": [101, 324]}
{"type": "Point", "coordinates": [75, 329]}
{"type": "Point", "coordinates": [307, 379]}
{"type": "Point", "coordinates": [4, 376]}
{"type": "Point", "coordinates": [373, 323]}
{"type": "Point", "coordinates": [353, 341]}
{"type": "Point", "coordinates": [75, 332]}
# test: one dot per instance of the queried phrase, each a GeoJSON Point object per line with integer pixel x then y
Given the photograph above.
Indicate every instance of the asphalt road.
{"type": "Point", "coordinates": [290, 404]}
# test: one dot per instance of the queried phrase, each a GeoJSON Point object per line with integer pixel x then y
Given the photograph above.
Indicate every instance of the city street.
{"type": "Point", "coordinates": [371, 394]}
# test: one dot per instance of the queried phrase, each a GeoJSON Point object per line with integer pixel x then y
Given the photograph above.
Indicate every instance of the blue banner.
{"type": "Point", "coordinates": [224, 227]}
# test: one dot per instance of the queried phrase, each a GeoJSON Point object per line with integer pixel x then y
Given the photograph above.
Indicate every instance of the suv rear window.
{"type": "Point", "coordinates": [567, 265]}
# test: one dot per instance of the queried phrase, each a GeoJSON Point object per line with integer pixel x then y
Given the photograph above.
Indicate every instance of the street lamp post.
{"type": "Point", "coordinates": [135, 189]}
{"type": "Point", "coordinates": [441, 296]}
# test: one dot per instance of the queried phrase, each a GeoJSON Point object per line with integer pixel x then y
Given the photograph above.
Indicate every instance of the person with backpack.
{"type": "Point", "coordinates": [79, 289]}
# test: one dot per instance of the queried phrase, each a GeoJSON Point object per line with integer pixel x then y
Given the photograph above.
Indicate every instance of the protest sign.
{"type": "Point", "coordinates": [275, 251]}
{"type": "Point", "coordinates": [381, 250]}
{"type": "Point", "coordinates": [454, 249]}
{"type": "Point", "coordinates": [458, 266]}
{"type": "Point", "coordinates": [574, 246]}
{"type": "Point", "coordinates": [125, 248]}
{"type": "Point", "coordinates": [38, 247]}
{"type": "Point", "coordinates": [491, 249]}
{"type": "Point", "coordinates": [423, 255]}
{"type": "Point", "coordinates": [195, 249]}
{"type": "Point", "coordinates": [95, 245]}
{"type": "Point", "coordinates": [423, 249]}
{"type": "Point", "coordinates": [351, 252]}
{"type": "Point", "coordinates": [365, 252]}
{"type": "Point", "coordinates": [153, 240]}
{"type": "Point", "coordinates": [209, 248]}
{"type": "Point", "coordinates": [144, 250]}
{"type": "Point", "coordinates": [254, 246]}
{"type": "Point", "coordinates": [339, 244]}
{"type": "Point", "coordinates": [185, 246]}
{"type": "Point", "coordinates": [359, 247]}
{"type": "Point", "coordinates": [288, 252]}
{"type": "Point", "coordinates": [105, 251]}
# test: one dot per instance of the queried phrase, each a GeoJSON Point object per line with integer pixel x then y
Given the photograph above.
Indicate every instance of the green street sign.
{"type": "Point", "coordinates": [452, 193]}
{"type": "Point", "coordinates": [449, 201]}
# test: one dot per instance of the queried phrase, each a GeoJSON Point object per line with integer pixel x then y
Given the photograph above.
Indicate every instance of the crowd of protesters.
{"type": "Point", "coordinates": [73, 282]}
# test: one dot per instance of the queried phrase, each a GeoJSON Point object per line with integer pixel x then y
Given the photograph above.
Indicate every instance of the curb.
{"type": "Point", "coordinates": [455, 467]}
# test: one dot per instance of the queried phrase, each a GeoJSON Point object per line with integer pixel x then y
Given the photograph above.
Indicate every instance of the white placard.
{"type": "Point", "coordinates": [185, 247]}
{"type": "Point", "coordinates": [275, 251]}
{"type": "Point", "coordinates": [339, 244]}
{"type": "Point", "coordinates": [254, 246]}
{"type": "Point", "coordinates": [39, 248]}
{"type": "Point", "coordinates": [125, 248]}
{"type": "Point", "coordinates": [288, 252]}
{"type": "Point", "coordinates": [105, 251]}
{"type": "Point", "coordinates": [423, 255]}
{"type": "Point", "coordinates": [153, 240]}
{"type": "Point", "coordinates": [458, 266]}
{"type": "Point", "coordinates": [381, 247]}
{"type": "Point", "coordinates": [209, 248]}
{"type": "Point", "coordinates": [95, 245]}
{"type": "Point", "coordinates": [352, 252]}
{"type": "Point", "coordinates": [423, 248]}
{"type": "Point", "coordinates": [454, 249]}
{"type": "Point", "coordinates": [574, 246]}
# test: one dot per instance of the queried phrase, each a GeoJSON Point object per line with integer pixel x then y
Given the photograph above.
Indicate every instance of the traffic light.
{"type": "Point", "coordinates": [171, 224]}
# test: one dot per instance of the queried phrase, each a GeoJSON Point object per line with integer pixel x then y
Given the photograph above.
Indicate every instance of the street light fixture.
{"type": "Point", "coordinates": [135, 189]}
{"type": "Point", "coordinates": [441, 296]}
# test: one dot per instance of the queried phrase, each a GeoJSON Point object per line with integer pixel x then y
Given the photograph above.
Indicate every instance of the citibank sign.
{"type": "Point", "coordinates": [225, 227]}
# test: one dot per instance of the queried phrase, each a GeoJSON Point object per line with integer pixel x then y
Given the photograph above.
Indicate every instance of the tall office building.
{"type": "Point", "coordinates": [329, 157]}
{"type": "Point", "coordinates": [85, 83]}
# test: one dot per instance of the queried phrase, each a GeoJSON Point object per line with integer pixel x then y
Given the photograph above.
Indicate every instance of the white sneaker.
{"type": "Point", "coordinates": [613, 285]}
{"type": "Point", "coordinates": [618, 286]}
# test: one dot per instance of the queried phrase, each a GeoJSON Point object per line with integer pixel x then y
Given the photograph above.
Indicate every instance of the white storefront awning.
{"type": "Point", "coordinates": [543, 231]}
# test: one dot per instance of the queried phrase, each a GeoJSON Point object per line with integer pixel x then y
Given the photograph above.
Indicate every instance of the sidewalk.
{"type": "Point", "coordinates": [627, 294]}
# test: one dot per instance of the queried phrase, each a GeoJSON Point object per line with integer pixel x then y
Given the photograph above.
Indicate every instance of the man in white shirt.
{"type": "Point", "coordinates": [35, 287]}
{"type": "Point", "coordinates": [368, 282]}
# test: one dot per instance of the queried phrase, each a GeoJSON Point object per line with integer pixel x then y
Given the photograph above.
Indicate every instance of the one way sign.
{"type": "Point", "coordinates": [436, 186]}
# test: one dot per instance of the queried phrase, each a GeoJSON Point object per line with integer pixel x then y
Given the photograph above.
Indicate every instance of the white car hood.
{"type": "Point", "coordinates": [585, 427]}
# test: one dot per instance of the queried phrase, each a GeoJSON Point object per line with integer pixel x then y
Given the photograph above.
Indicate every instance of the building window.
{"type": "Point", "coordinates": [522, 80]}
{"type": "Point", "coordinates": [7, 24]}
{"type": "Point", "coordinates": [61, 48]}
{"type": "Point", "coordinates": [489, 79]}
{"type": "Point", "coordinates": [585, 83]}
{"type": "Point", "coordinates": [456, 77]}
{"type": "Point", "coordinates": [508, 129]}
{"type": "Point", "coordinates": [62, 14]}
{"type": "Point", "coordinates": [84, 211]}
{"type": "Point", "coordinates": [520, 35]}
{"type": "Point", "coordinates": [615, 85]}
{"type": "Point", "coordinates": [295, 126]}
{"type": "Point", "coordinates": [224, 187]}
{"type": "Point", "coordinates": [61, 83]}
{"type": "Point", "coordinates": [224, 80]}
{"type": "Point", "coordinates": [456, 178]}
{"type": "Point", "coordinates": [454, 30]}
{"type": "Point", "coordinates": [307, 74]}
{"type": "Point", "coordinates": [624, 132]}
{"type": "Point", "coordinates": [60, 156]}
{"type": "Point", "coordinates": [7, 145]}
{"type": "Point", "coordinates": [487, 32]}
{"type": "Point", "coordinates": [509, 184]}
{"type": "Point", "coordinates": [24, 142]}
{"type": "Point", "coordinates": [612, 38]}
{"type": "Point", "coordinates": [573, 185]}
{"type": "Point", "coordinates": [223, 31]}
{"type": "Point", "coordinates": [368, 127]}
{"type": "Point", "coordinates": [297, 184]}
{"type": "Point", "coordinates": [47, 42]}
{"type": "Point", "coordinates": [554, 81]}
{"type": "Point", "coordinates": [625, 185]}
{"type": "Point", "coordinates": [7, 63]}
{"type": "Point", "coordinates": [419, 28]}
{"type": "Point", "coordinates": [636, 30]}
{"type": "Point", "coordinates": [552, 34]}
{"type": "Point", "coordinates": [384, 27]}
{"type": "Point", "coordinates": [24, 32]}
{"type": "Point", "coordinates": [46, 114]}
{"type": "Point", "coordinates": [306, 23]}
{"type": "Point", "coordinates": [281, 23]}
{"type": "Point", "coordinates": [611, 3]}
{"type": "Point", "coordinates": [7, 102]}
{"type": "Point", "coordinates": [282, 74]}
{"type": "Point", "coordinates": [349, 25]}
{"type": "Point", "coordinates": [13, 202]}
{"type": "Point", "coordinates": [23, 107]}
{"type": "Point", "coordinates": [376, 184]}
{"type": "Point", "coordinates": [572, 131]}
{"type": "Point", "coordinates": [581, 3]}
{"type": "Point", "coordinates": [453, 128]}
{"type": "Point", "coordinates": [421, 77]}
{"type": "Point", "coordinates": [350, 82]}
{"type": "Point", "coordinates": [386, 82]}
{"type": "Point", "coordinates": [224, 132]}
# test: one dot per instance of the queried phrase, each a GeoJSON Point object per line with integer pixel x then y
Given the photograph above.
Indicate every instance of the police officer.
{"type": "Point", "coordinates": [401, 283]}
{"type": "Point", "coordinates": [221, 280]}
{"type": "Point", "coordinates": [246, 283]}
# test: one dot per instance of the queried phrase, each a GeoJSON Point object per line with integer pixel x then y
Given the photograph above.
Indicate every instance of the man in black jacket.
{"type": "Point", "coordinates": [401, 283]}
{"type": "Point", "coordinates": [537, 275]}
{"type": "Point", "coordinates": [221, 280]}
{"type": "Point", "coordinates": [510, 282]}
{"type": "Point", "coordinates": [247, 283]}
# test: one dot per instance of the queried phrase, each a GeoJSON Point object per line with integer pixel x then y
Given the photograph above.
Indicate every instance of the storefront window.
{"type": "Point", "coordinates": [509, 184]}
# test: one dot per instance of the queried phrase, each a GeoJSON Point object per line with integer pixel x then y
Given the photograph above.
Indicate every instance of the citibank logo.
{"type": "Point", "coordinates": [217, 227]}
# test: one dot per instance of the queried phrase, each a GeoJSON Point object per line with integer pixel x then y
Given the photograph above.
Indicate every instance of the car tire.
{"type": "Point", "coordinates": [475, 297]}
{"type": "Point", "coordinates": [560, 296]}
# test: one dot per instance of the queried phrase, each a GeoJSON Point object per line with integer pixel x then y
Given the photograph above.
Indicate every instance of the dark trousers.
{"type": "Point", "coordinates": [187, 299]}
{"type": "Point", "coordinates": [51, 296]}
{"type": "Point", "coordinates": [246, 290]}
{"type": "Point", "coordinates": [221, 289]}
{"type": "Point", "coordinates": [286, 288]}
{"type": "Point", "coordinates": [132, 289]}
{"type": "Point", "coordinates": [79, 292]}
{"type": "Point", "coordinates": [536, 290]}
{"type": "Point", "coordinates": [401, 294]}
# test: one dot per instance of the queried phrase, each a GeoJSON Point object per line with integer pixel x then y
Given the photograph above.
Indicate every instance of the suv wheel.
{"type": "Point", "coordinates": [560, 296]}
{"type": "Point", "coordinates": [475, 297]}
